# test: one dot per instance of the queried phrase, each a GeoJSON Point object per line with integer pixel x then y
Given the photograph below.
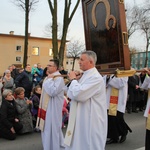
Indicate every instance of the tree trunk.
{"type": "Point", "coordinates": [26, 33]}
{"type": "Point", "coordinates": [53, 8]}
{"type": "Point", "coordinates": [62, 46]}
{"type": "Point", "coordinates": [54, 31]}
{"type": "Point", "coordinates": [74, 59]}
{"type": "Point", "coordinates": [147, 45]}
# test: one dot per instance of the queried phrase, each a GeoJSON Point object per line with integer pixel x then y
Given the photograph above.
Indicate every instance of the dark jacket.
{"type": "Point", "coordinates": [24, 80]}
{"type": "Point", "coordinates": [8, 113]}
{"type": "Point", "coordinates": [14, 73]}
{"type": "Point", "coordinates": [132, 91]}
{"type": "Point", "coordinates": [35, 98]}
{"type": "Point", "coordinates": [39, 75]}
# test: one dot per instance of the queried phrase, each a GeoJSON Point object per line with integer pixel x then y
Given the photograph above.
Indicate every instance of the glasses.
{"type": "Point", "coordinates": [50, 66]}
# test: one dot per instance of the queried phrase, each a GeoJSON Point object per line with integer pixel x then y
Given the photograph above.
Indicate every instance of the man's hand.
{"type": "Point", "coordinates": [78, 74]}
{"type": "Point", "coordinates": [136, 87]}
{"type": "Point", "coordinates": [72, 75]}
{"type": "Point", "coordinates": [16, 120]}
{"type": "Point", "coordinates": [12, 130]}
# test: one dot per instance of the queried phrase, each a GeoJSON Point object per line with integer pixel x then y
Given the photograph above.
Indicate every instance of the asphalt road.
{"type": "Point", "coordinates": [135, 140]}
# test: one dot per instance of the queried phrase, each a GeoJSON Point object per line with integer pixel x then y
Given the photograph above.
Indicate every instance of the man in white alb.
{"type": "Point", "coordinates": [50, 110]}
{"type": "Point", "coordinates": [88, 121]}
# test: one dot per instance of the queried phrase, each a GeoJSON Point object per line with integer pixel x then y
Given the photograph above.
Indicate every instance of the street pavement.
{"type": "Point", "coordinates": [135, 140]}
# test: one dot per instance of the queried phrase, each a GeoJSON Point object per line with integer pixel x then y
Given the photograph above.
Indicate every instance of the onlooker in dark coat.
{"type": "Point", "coordinates": [44, 72]}
{"type": "Point", "coordinates": [143, 93]}
{"type": "Point", "coordinates": [9, 123]}
{"type": "Point", "coordinates": [62, 71]}
{"type": "Point", "coordinates": [24, 79]}
{"type": "Point", "coordinates": [23, 106]}
{"type": "Point", "coordinates": [14, 72]}
{"type": "Point", "coordinates": [133, 91]}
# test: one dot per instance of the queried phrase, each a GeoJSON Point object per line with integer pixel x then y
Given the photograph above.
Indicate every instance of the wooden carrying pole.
{"type": "Point", "coordinates": [117, 73]}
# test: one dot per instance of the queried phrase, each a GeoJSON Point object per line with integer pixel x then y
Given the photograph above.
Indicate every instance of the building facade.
{"type": "Point", "coordinates": [138, 60]}
{"type": "Point", "coordinates": [69, 64]}
{"type": "Point", "coordinates": [12, 50]}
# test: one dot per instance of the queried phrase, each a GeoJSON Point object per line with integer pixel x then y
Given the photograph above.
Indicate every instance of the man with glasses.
{"type": "Point", "coordinates": [50, 109]}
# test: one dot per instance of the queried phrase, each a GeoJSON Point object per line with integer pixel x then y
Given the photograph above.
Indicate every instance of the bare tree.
{"type": "Point", "coordinates": [48, 30]}
{"type": "Point", "coordinates": [133, 51]}
{"type": "Point", "coordinates": [74, 49]}
{"type": "Point", "coordinates": [132, 19]}
{"type": "Point", "coordinates": [138, 19]}
{"type": "Point", "coordinates": [67, 17]}
{"type": "Point", "coordinates": [27, 6]}
{"type": "Point", "coordinates": [144, 25]}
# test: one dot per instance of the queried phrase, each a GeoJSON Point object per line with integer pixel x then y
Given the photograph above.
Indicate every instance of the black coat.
{"type": "Point", "coordinates": [24, 80]}
{"type": "Point", "coordinates": [8, 113]}
{"type": "Point", "coordinates": [132, 91]}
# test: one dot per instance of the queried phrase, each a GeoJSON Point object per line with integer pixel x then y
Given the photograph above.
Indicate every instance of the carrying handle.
{"type": "Point", "coordinates": [125, 38]}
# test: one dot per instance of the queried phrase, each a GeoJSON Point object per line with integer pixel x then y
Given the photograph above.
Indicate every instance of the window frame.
{"type": "Point", "coordinates": [19, 60]}
{"type": "Point", "coordinates": [17, 49]}
{"type": "Point", "coordinates": [32, 52]}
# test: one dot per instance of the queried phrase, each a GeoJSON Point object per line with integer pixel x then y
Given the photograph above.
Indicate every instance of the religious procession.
{"type": "Point", "coordinates": [89, 105]}
{"type": "Point", "coordinates": [79, 109]}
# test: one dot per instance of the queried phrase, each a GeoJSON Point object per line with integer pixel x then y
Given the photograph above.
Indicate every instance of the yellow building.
{"type": "Point", "coordinates": [12, 50]}
{"type": "Point", "coordinates": [69, 64]}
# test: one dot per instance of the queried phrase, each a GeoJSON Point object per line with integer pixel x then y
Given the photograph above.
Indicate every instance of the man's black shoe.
{"type": "Point", "coordinates": [111, 141]}
{"type": "Point", "coordinates": [141, 109]}
{"type": "Point", "coordinates": [123, 138]}
{"type": "Point", "coordinates": [129, 111]}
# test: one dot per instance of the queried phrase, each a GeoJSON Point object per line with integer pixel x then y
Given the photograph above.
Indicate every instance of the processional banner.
{"type": "Point", "coordinates": [106, 33]}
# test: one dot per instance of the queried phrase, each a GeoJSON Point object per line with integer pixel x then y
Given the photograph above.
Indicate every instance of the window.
{"type": "Point", "coordinates": [18, 59]}
{"type": "Point", "coordinates": [136, 55]}
{"type": "Point", "coordinates": [50, 52]}
{"type": "Point", "coordinates": [18, 48]}
{"type": "Point", "coordinates": [35, 51]}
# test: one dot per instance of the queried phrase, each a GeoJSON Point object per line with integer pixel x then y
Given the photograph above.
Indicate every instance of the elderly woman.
{"type": "Point", "coordinates": [9, 123]}
{"type": "Point", "coordinates": [24, 105]}
{"type": "Point", "coordinates": [8, 81]}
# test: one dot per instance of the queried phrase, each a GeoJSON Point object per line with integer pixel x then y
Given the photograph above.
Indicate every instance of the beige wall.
{"type": "Point", "coordinates": [69, 63]}
{"type": "Point", "coordinates": [8, 52]}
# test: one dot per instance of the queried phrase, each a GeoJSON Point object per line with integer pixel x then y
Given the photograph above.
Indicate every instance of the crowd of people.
{"type": "Point", "coordinates": [93, 106]}
{"type": "Point", "coordinates": [20, 92]}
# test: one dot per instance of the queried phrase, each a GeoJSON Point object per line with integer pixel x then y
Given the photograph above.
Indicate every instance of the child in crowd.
{"type": "Point", "coordinates": [35, 98]}
{"type": "Point", "coordinates": [34, 72]}
{"type": "Point", "coordinates": [34, 69]}
{"type": "Point", "coordinates": [65, 113]}
{"type": "Point", "coordinates": [23, 106]}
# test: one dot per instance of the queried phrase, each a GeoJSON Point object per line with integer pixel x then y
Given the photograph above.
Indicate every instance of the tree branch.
{"type": "Point", "coordinates": [51, 7]}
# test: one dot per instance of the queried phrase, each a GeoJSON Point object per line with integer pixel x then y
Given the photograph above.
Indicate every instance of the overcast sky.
{"type": "Point", "coordinates": [12, 19]}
